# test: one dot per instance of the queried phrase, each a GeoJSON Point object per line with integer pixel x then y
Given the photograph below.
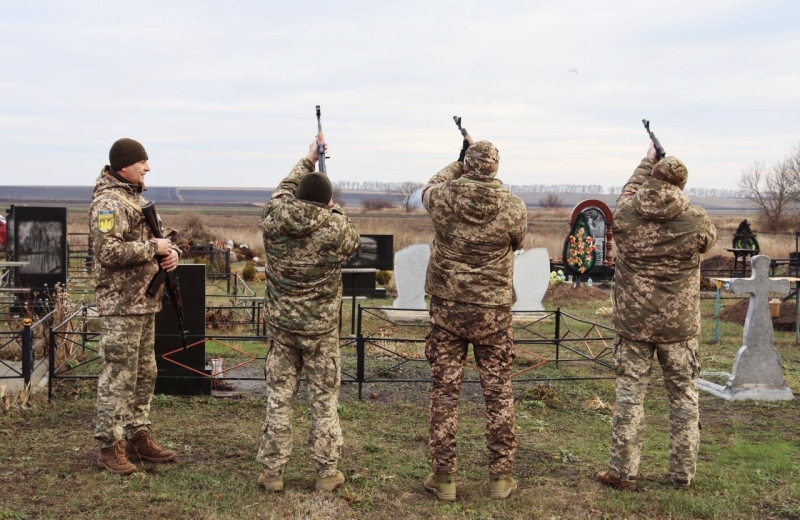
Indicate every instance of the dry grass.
{"type": "Point", "coordinates": [546, 228]}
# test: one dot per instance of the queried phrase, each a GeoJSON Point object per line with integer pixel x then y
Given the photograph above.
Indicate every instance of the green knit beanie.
{"type": "Point", "coordinates": [315, 187]}
{"type": "Point", "coordinates": [125, 152]}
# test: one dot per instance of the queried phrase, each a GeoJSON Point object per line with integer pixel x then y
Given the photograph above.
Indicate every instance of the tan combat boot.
{"type": "Point", "coordinates": [141, 446]}
{"type": "Point", "coordinates": [442, 485]}
{"type": "Point", "coordinates": [500, 486]}
{"type": "Point", "coordinates": [331, 483]}
{"type": "Point", "coordinates": [114, 460]}
{"type": "Point", "coordinates": [610, 480]}
{"type": "Point", "coordinates": [271, 483]}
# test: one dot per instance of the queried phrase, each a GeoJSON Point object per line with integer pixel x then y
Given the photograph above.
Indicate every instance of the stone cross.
{"type": "Point", "coordinates": [757, 362]}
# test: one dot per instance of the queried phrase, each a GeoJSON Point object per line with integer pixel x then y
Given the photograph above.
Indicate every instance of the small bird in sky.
{"type": "Point", "coordinates": [572, 70]}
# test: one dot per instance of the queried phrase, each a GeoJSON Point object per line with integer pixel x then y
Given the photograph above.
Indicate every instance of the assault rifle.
{"type": "Point", "coordinates": [660, 153]}
{"type": "Point", "coordinates": [464, 132]}
{"type": "Point", "coordinates": [173, 289]}
{"type": "Point", "coordinates": [320, 146]}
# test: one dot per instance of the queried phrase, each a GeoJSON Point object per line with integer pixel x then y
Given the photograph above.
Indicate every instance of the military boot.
{"type": "Point", "coordinates": [442, 485]}
{"type": "Point", "coordinates": [500, 486]}
{"type": "Point", "coordinates": [610, 480]}
{"type": "Point", "coordinates": [114, 460]}
{"type": "Point", "coordinates": [680, 484]}
{"type": "Point", "coordinates": [271, 483]}
{"type": "Point", "coordinates": [331, 483]}
{"type": "Point", "coordinates": [142, 446]}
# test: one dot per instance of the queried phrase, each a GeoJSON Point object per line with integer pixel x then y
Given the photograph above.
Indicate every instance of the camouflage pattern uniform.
{"type": "Point", "coordinates": [659, 236]}
{"type": "Point", "coordinates": [478, 225]}
{"type": "Point", "coordinates": [126, 264]}
{"type": "Point", "coordinates": [305, 243]}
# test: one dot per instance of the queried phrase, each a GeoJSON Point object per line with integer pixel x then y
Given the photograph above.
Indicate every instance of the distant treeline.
{"type": "Point", "coordinates": [386, 187]}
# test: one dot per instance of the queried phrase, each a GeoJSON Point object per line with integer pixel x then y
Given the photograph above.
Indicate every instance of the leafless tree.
{"type": "Point", "coordinates": [406, 191]}
{"type": "Point", "coordinates": [337, 195]}
{"type": "Point", "coordinates": [551, 200]}
{"type": "Point", "coordinates": [774, 191]}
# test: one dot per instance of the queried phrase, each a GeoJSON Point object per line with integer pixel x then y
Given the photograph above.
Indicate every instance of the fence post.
{"type": "Point", "coordinates": [52, 365]}
{"type": "Point", "coordinates": [359, 355]}
{"type": "Point", "coordinates": [558, 334]}
{"type": "Point", "coordinates": [27, 350]}
{"type": "Point", "coordinates": [228, 270]}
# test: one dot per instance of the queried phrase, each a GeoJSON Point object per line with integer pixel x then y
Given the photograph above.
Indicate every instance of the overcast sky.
{"type": "Point", "coordinates": [223, 93]}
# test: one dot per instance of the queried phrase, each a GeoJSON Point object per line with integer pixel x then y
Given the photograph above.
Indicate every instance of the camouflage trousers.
{"type": "Point", "coordinates": [681, 368]}
{"type": "Point", "coordinates": [318, 359]}
{"type": "Point", "coordinates": [127, 378]}
{"type": "Point", "coordinates": [453, 326]}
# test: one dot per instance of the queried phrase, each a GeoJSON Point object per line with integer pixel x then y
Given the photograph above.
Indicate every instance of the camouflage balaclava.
{"type": "Point", "coordinates": [672, 171]}
{"type": "Point", "coordinates": [481, 161]}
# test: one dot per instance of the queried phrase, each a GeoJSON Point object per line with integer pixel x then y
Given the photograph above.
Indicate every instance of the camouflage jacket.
{"type": "Point", "coordinates": [121, 241]}
{"type": "Point", "coordinates": [305, 244]}
{"type": "Point", "coordinates": [478, 226]}
{"type": "Point", "coordinates": [659, 236]}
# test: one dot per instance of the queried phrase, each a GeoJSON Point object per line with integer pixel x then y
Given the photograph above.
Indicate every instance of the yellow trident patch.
{"type": "Point", "coordinates": [105, 220]}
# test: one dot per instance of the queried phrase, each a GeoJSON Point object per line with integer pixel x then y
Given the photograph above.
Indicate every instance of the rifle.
{"type": "Point", "coordinates": [464, 132]}
{"type": "Point", "coordinates": [660, 153]}
{"type": "Point", "coordinates": [173, 289]}
{"type": "Point", "coordinates": [320, 146]}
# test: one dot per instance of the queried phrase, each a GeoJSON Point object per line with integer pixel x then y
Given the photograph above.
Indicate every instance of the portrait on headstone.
{"type": "Point", "coordinates": [40, 243]}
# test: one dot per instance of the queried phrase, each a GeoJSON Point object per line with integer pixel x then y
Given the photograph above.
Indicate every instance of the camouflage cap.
{"type": "Point", "coordinates": [482, 160]}
{"type": "Point", "coordinates": [671, 170]}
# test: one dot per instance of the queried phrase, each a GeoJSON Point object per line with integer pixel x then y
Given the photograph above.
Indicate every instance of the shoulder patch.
{"type": "Point", "coordinates": [105, 220]}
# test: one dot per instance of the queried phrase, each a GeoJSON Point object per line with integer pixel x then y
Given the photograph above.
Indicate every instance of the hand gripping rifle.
{"type": "Point", "coordinates": [173, 289]}
{"type": "Point", "coordinates": [320, 146]}
{"type": "Point", "coordinates": [467, 139]}
{"type": "Point", "coordinates": [660, 153]}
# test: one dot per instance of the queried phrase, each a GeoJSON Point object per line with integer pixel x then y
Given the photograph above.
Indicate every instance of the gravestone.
{"type": "Point", "coordinates": [757, 372]}
{"type": "Point", "coordinates": [531, 278]}
{"type": "Point", "coordinates": [38, 235]}
{"type": "Point", "coordinates": [181, 371]}
{"type": "Point", "coordinates": [600, 220]}
{"type": "Point", "coordinates": [375, 252]}
{"type": "Point", "coordinates": [410, 268]}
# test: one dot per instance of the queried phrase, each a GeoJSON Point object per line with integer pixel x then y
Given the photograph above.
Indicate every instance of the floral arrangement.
{"type": "Point", "coordinates": [579, 248]}
{"type": "Point", "coordinates": [557, 277]}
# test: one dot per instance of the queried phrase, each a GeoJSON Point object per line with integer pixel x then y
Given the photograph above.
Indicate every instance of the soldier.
{"type": "Point", "coordinates": [306, 237]}
{"type": "Point", "coordinates": [478, 225]}
{"type": "Point", "coordinates": [128, 257]}
{"type": "Point", "coordinates": [659, 236]}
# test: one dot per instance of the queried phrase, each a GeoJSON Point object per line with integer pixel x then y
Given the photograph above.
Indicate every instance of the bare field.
{"type": "Point", "coordinates": [546, 227]}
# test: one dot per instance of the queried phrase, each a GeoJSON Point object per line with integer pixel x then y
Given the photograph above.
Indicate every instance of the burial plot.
{"type": "Point", "coordinates": [757, 372]}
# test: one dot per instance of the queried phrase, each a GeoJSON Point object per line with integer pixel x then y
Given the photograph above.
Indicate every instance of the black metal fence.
{"type": "Point", "coordinates": [31, 342]}
{"type": "Point", "coordinates": [383, 350]}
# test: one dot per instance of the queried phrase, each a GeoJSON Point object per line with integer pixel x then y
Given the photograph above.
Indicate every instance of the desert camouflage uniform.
{"type": "Point", "coordinates": [305, 244]}
{"type": "Point", "coordinates": [478, 225]}
{"type": "Point", "coordinates": [126, 264]}
{"type": "Point", "coordinates": [659, 236]}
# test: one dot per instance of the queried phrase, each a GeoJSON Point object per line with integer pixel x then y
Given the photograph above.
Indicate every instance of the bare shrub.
{"type": "Point", "coordinates": [193, 228]}
{"type": "Point", "coordinates": [406, 191]}
{"type": "Point", "coordinates": [376, 203]}
{"type": "Point", "coordinates": [551, 201]}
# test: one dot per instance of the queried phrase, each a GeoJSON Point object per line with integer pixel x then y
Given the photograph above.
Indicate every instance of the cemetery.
{"type": "Point", "coordinates": [210, 388]}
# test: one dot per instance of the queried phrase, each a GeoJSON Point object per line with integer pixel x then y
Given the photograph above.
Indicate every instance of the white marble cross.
{"type": "Point", "coordinates": [757, 362]}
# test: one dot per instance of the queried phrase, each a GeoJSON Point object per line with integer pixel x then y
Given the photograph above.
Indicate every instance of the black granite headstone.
{"type": "Point", "coordinates": [172, 378]}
